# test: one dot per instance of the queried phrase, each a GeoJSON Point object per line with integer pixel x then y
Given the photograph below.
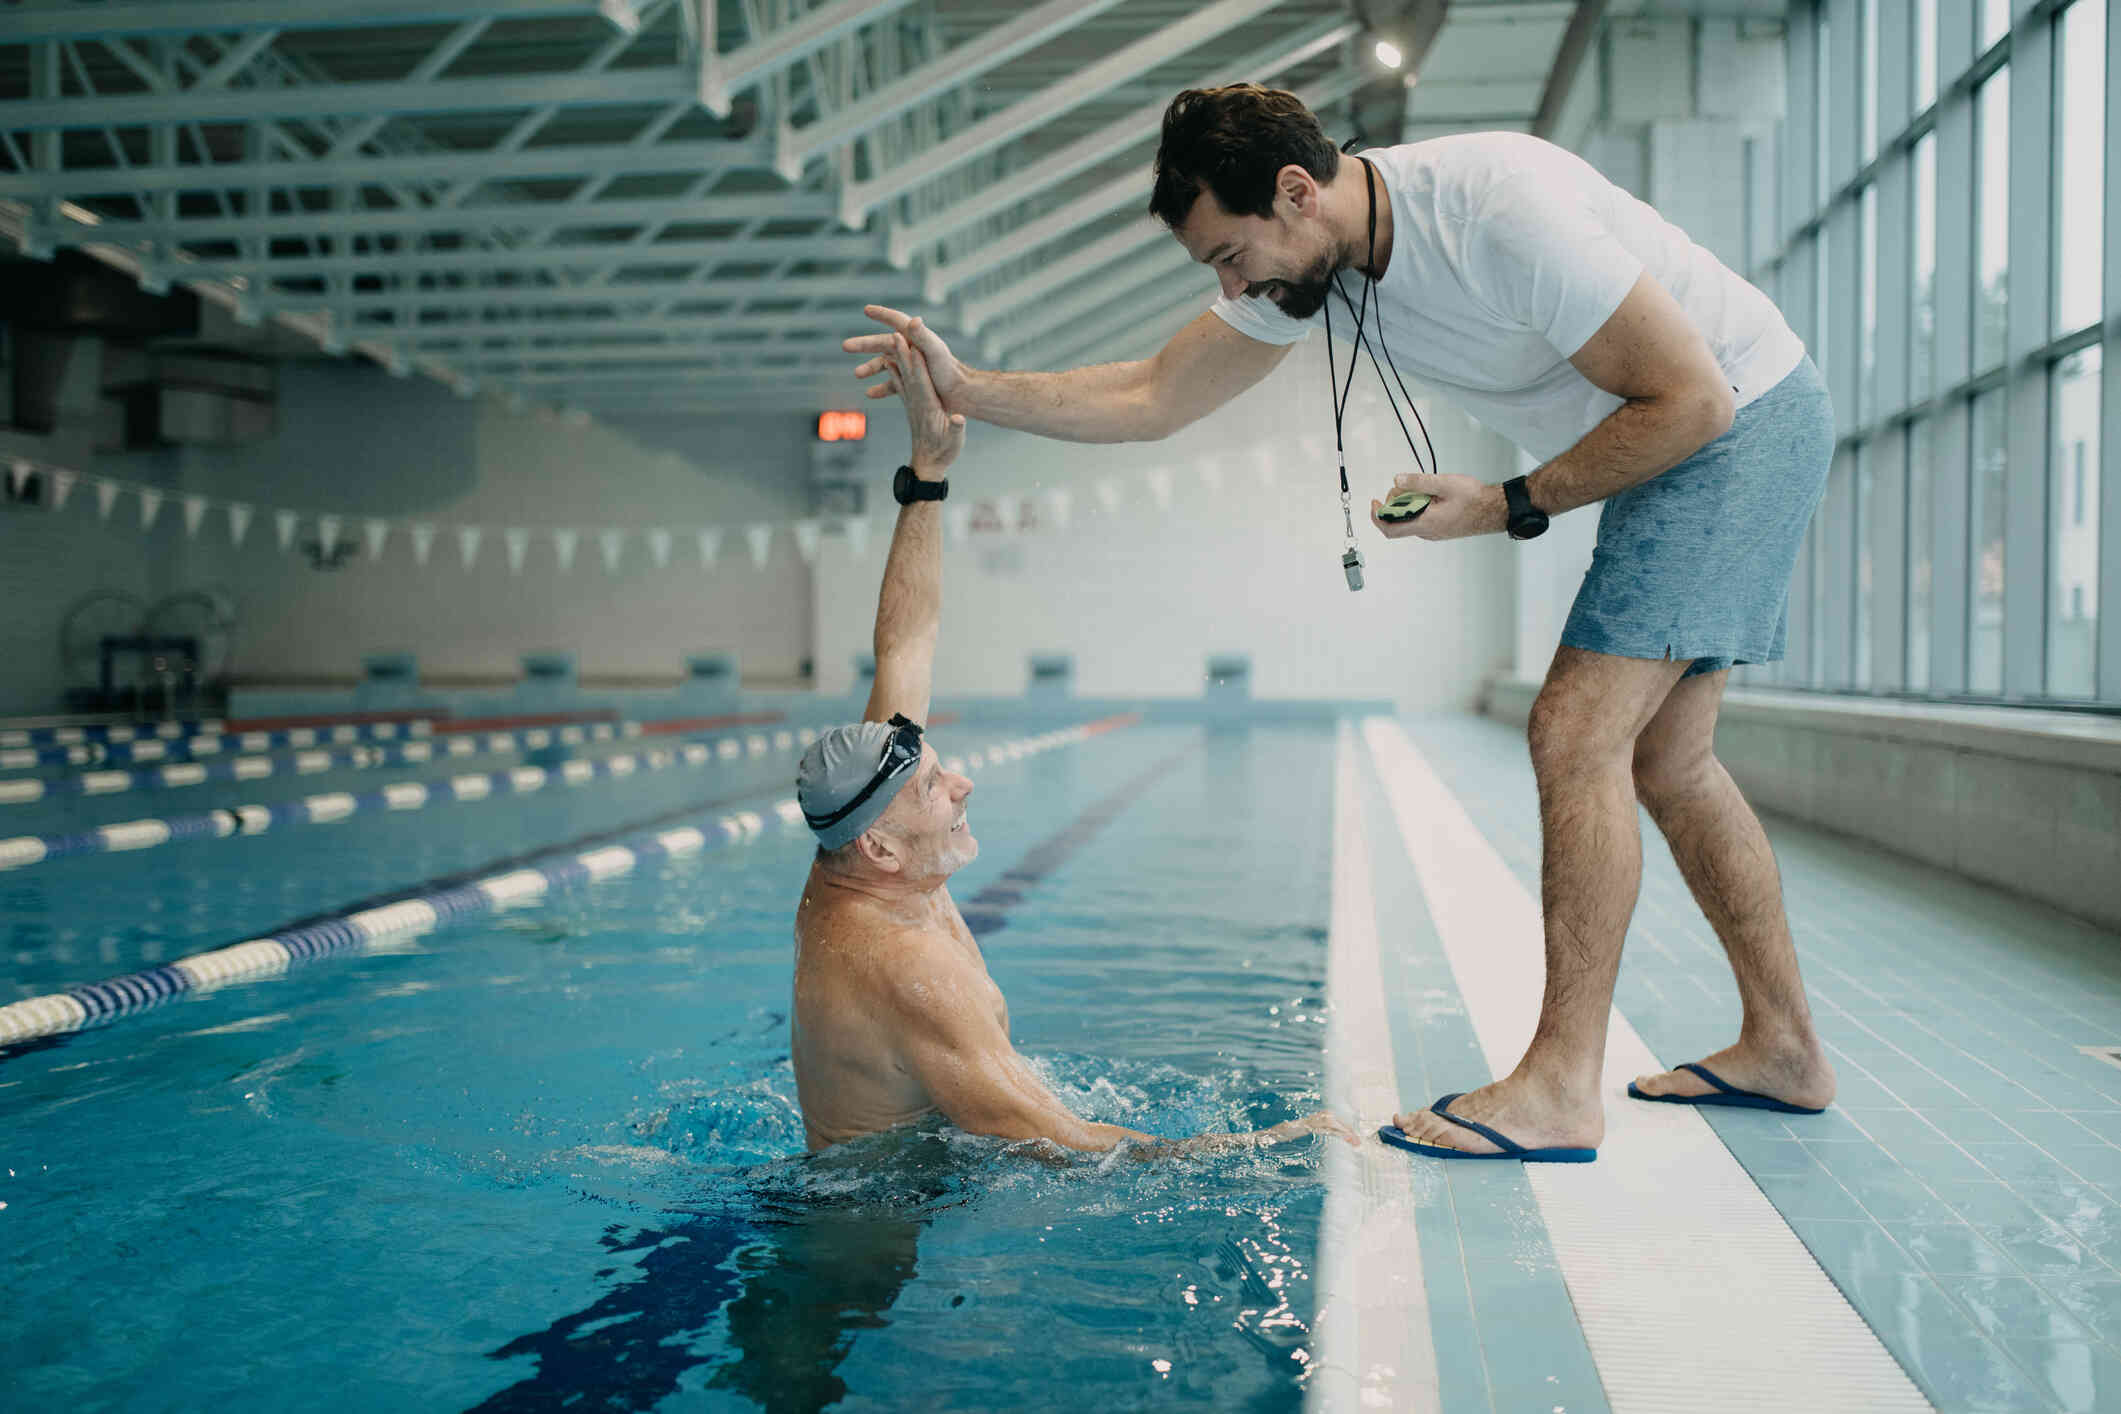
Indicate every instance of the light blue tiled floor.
{"type": "Point", "coordinates": [1965, 1190]}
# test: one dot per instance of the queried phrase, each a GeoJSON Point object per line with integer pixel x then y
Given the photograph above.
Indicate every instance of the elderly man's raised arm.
{"type": "Point", "coordinates": [909, 607]}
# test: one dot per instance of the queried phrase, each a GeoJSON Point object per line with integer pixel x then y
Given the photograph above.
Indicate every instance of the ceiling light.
{"type": "Point", "coordinates": [1388, 54]}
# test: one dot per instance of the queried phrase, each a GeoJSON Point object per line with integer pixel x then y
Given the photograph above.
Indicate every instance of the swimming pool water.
{"type": "Point", "coordinates": [553, 1159]}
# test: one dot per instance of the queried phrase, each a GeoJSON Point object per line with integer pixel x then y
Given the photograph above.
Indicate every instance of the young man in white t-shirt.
{"type": "Point", "coordinates": [1575, 321]}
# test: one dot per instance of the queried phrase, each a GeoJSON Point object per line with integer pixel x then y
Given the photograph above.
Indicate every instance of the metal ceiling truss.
{"type": "Point", "coordinates": [587, 198]}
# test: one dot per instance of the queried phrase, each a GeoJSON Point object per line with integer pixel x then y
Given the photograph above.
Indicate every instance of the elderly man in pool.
{"type": "Point", "coordinates": [895, 1016]}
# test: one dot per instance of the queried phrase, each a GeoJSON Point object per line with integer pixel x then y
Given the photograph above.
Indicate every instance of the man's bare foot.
{"type": "Point", "coordinates": [1528, 1114]}
{"type": "Point", "coordinates": [1793, 1077]}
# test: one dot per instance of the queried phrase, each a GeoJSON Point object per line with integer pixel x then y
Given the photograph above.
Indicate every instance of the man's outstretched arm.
{"type": "Point", "coordinates": [1205, 364]}
{"type": "Point", "coordinates": [909, 607]}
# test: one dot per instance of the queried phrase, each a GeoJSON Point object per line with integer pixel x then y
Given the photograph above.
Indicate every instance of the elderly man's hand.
{"type": "Point", "coordinates": [938, 436]}
{"type": "Point", "coordinates": [1458, 506]}
{"type": "Point", "coordinates": [944, 371]}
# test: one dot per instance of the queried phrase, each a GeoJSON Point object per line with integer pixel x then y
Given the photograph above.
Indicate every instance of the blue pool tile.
{"type": "Point", "coordinates": [1763, 1157]}
{"type": "Point", "coordinates": [1942, 1163]}
{"type": "Point", "coordinates": [2079, 1376]}
{"type": "Point", "coordinates": [1853, 1249]}
{"type": "Point", "coordinates": [2016, 1308]}
{"type": "Point", "coordinates": [1817, 1195]}
{"type": "Point", "coordinates": [1957, 1366]}
{"type": "Point", "coordinates": [2094, 1300]}
{"type": "Point", "coordinates": [1951, 1249]}
{"type": "Point", "coordinates": [1887, 1191]}
{"type": "Point", "coordinates": [1969, 1124]}
{"type": "Point", "coordinates": [2052, 1129]}
{"type": "Point", "coordinates": [2019, 1163]}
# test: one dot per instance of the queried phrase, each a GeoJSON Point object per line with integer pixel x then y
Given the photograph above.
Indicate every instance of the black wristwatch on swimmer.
{"type": "Point", "coordinates": [1526, 521]}
{"type": "Point", "coordinates": [906, 488]}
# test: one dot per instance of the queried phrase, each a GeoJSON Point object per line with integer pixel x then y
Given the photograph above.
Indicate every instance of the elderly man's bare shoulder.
{"type": "Point", "coordinates": [855, 948]}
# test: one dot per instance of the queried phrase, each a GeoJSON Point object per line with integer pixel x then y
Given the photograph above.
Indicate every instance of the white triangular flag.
{"type": "Point", "coordinates": [1061, 505]}
{"type": "Point", "coordinates": [62, 487]}
{"type": "Point", "coordinates": [1211, 474]}
{"type": "Point", "coordinates": [238, 522]}
{"type": "Point", "coordinates": [327, 535]}
{"type": "Point", "coordinates": [1108, 494]}
{"type": "Point", "coordinates": [518, 542]}
{"type": "Point", "coordinates": [858, 535]}
{"type": "Point", "coordinates": [659, 548]}
{"type": "Point", "coordinates": [710, 545]}
{"type": "Point", "coordinates": [106, 497]}
{"type": "Point", "coordinates": [17, 478]}
{"type": "Point", "coordinates": [283, 524]}
{"type": "Point", "coordinates": [423, 540]}
{"type": "Point", "coordinates": [760, 538]}
{"type": "Point", "coordinates": [1160, 486]}
{"type": "Point", "coordinates": [376, 532]}
{"type": "Point", "coordinates": [957, 522]}
{"type": "Point", "coordinates": [563, 543]}
{"type": "Point", "coordinates": [150, 507]}
{"type": "Point", "coordinates": [609, 543]}
{"type": "Point", "coordinates": [806, 538]}
{"type": "Point", "coordinates": [194, 512]}
{"type": "Point", "coordinates": [1006, 508]}
{"type": "Point", "coordinates": [468, 537]}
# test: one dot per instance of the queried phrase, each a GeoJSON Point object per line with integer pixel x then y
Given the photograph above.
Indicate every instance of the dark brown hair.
{"type": "Point", "coordinates": [1232, 141]}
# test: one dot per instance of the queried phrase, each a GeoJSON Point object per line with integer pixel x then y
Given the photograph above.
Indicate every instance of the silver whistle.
{"type": "Point", "coordinates": [1352, 563]}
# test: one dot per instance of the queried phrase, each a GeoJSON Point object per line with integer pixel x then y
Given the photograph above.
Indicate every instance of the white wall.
{"type": "Point", "coordinates": [353, 440]}
{"type": "Point", "coordinates": [1141, 596]}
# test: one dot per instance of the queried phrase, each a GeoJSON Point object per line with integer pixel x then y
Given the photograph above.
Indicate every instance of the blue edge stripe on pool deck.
{"type": "Point", "coordinates": [465, 894]}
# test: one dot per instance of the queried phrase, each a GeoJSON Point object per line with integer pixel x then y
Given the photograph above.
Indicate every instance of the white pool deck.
{"type": "Point", "coordinates": [1947, 1236]}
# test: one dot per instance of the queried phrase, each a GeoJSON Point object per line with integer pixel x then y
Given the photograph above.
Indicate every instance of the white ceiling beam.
{"type": "Point", "coordinates": [1110, 140]}
{"type": "Point", "coordinates": [497, 363]}
{"type": "Point", "coordinates": [1099, 255]}
{"type": "Point", "coordinates": [774, 250]}
{"type": "Point", "coordinates": [1164, 264]}
{"type": "Point", "coordinates": [471, 337]}
{"type": "Point", "coordinates": [73, 21]}
{"type": "Point", "coordinates": [493, 216]}
{"type": "Point", "coordinates": [572, 160]}
{"type": "Point", "coordinates": [633, 293]}
{"type": "Point", "coordinates": [243, 105]}
{"type": "Point", "coordinates": [723, 76]}
{"type": "Point", "coordinates": [945, 72]}
{"type": "Point", "coordinates": [1151, 51]}
{"type": "Point", "coordinates": [1066, 347]}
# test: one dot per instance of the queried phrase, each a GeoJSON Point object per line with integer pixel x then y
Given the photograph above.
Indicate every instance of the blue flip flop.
{"type": "Point", "coordinates": [1395, 1136]}
{"type": "Point", "coordinates": [1724, 1095]}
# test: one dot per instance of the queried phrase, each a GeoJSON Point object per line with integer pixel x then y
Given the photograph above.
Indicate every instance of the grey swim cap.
{"type": "Point", "coordinates": [836, 769]}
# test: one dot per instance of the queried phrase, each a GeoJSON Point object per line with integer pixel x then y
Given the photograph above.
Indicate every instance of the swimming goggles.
{"type": "Point", "coordinates": [901, 752]}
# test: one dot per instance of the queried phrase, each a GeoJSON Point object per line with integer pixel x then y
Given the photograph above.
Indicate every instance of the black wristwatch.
{"type": "Point", "coordinates": [907, 488]}
{"type": "Point", "coordinates": [1527, 521]}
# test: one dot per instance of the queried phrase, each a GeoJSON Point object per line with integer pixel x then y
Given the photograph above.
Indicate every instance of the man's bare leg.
{"type": "Point", "coordinates": [1730, 867]}
{"type": "Point", "coordinates": [1582, 735]}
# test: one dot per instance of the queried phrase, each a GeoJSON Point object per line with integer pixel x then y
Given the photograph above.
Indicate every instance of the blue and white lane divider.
{"type": "Point", "coordinates": [305, 762]}
{"type": "Point", "coordinates": [423, 910]}
{"type": "Point", "coordinates": [119, 733]}
{"type": "Point", "coordinates": [141, 750]}
{"type": "Point", "coordinates": [20, 851]}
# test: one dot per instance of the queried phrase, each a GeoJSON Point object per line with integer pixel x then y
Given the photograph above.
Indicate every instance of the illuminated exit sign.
{"type": "Point", "coordinates": [842, 426]}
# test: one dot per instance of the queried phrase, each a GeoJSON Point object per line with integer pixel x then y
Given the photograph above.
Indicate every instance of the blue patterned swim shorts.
{"type": "Point", "coordinates": [1696, 563]}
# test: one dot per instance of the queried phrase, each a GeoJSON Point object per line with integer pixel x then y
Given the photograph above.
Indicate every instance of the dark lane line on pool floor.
{"type": "Point", "coordinates": [986, 912]}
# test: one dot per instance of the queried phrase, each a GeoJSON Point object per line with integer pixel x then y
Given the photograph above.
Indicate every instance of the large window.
{"type": "Point", "coordinates": [1984, 647]}
{"type": "Point", "coordinates": [1992, 234]}
{"type": "Point", "coordinates": [1921, 535]}
{"type": "Point", "coordinates": [1925, 53]}
{"type": "Point", "coordinates": [2080, 163]}
{"type": "Point", "coordinates": [1922, 337]}
{"type": "Point", "coordinates": [1958, 552]}
{"type": "Point", "coordinates": [2073, 528]}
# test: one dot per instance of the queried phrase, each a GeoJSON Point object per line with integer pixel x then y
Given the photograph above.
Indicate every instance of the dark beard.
{"type": "Point", "coordinates": [1303, 298]}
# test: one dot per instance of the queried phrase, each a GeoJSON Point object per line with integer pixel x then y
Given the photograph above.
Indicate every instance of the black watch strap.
{"type": "Point", "coordinates": [907, 487]}
{"type": "Point", "coordinates": [1524, 520]}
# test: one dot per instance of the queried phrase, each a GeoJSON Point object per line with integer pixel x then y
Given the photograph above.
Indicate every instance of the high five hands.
{"type": "Point", "coordinates": [938, 435]}
{"type": "Point", "coordinates": [945, 374]}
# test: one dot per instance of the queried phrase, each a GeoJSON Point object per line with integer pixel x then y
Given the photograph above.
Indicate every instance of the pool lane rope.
{"type": "Point", "coordinates": [299, 762]}
{"type": "Point", "coordinates": [177, 733]}
{"type": "Point", "coordinates": [426, 908]}
{"type": "Point", "coordinates": [22, 851]}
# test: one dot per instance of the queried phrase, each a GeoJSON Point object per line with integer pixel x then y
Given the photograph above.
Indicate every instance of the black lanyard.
{"type": "Point", "coordinates": [1355, 350]}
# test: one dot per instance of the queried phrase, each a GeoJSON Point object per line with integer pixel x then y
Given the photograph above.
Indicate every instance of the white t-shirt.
{"type": "Point", "coordinates": [1508, 253]}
